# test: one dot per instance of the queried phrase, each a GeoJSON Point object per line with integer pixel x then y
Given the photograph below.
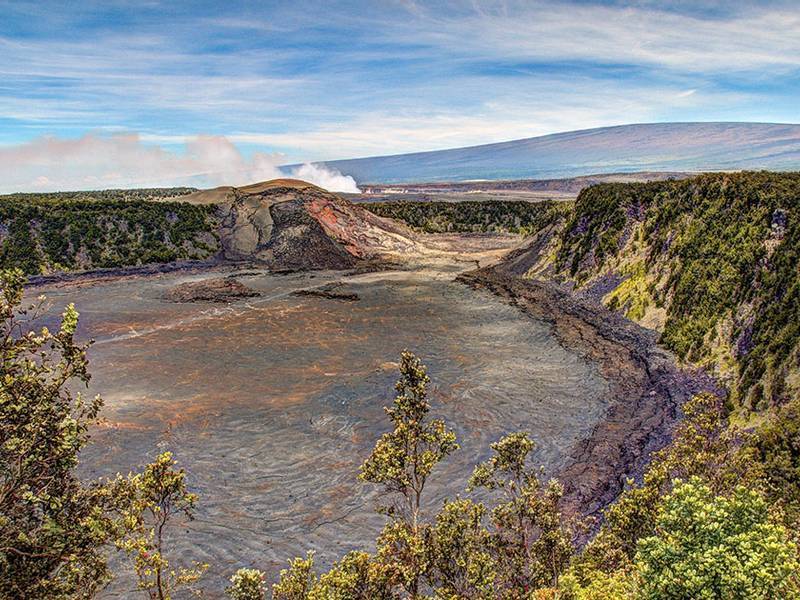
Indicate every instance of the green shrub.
{"type": "Point", "coordinates": [716, 547]}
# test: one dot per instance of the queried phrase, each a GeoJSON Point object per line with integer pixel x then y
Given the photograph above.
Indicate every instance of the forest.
{"type": "Point", "coordinates": [489, 216]}
{"type": "Point", "coordinates": [41, 234]}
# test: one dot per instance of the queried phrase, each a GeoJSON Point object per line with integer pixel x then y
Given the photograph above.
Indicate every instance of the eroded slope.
{"type": "Point", "coordinates": [710, 262]}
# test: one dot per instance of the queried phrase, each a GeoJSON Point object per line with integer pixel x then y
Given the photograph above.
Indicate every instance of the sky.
{"type": "Point", "coordinates": [113, 94]}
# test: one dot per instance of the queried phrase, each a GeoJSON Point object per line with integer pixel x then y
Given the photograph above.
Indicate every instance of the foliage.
{"type": "Point", "coordinates": [149, 194]}
{"type": "Point", "coordinates": [52, 526]}
{"type": "Point", "coordinates": [405, 550]}
{"type": "Point", "coordinates": [296, 582]}
{"type": "Point", "coordinates": [500, 216]}
{"type": "Point", "coordinates": [595, 227]}
{"type": "Point", "coordinates": [401, 462]}
{"type": "Point", "coordinates": [632, 294]}
{"type": "Point", "coordinates": [777, 444]}
{"type": "Point", "coordinates": [710, 547]}
{"type": "Point", "coordinates": [403, 459]}
{"type": "Point", "coordinates": [462, 565]}
{"type": "Point", "coordinates": [247, 584]}
{"type": "Point", "coordinates": [725, 465]}
{"type": "Point", "coordinates": [356, 577]}
{"type": "Point", "coordinates": [720, 248]}
{"type": "Point", "coordinates": [619, 585]}
{"type": "Point", "coordinates": [532, 541]}
{"type": "Point", "coordinates": [41, 235]}
{"type": "Point", "coordinates": [703, 445]}
{"type": "Point", "coordinates": [161, 495]}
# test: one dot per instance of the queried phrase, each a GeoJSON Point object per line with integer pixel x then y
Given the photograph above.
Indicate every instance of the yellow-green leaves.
{"type": "Point", "coordinates": [401, 462]}
{"type": "Point", "coordinates": [69, 320]}
{"type": "Point", "coordinates": [531, 539]}
{"type": "Point", "coordinates": [507, 466]}
{"type": "Point", "coordinates": [404, 457]}
{"type": "Point", "coordinates": [247, 584]}
{"type": "Point", "coordinates": [159, 495]}
{"type": "Point", "coordinates": [297, 581]}
{"type": "Point", "coordinates": [462, 561]}
{"type": "Point", "coordinates": [52, 525]}
{"type": "Point", "coordinates": [717, 547]}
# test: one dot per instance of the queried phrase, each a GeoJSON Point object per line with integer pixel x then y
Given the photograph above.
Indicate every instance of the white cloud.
{"type": "Point", "coordinates": [430, 75]}
{"type": "Point", "coordinates": [764, 37]}
{"type": "Point", "coordinates": [123, 161]}
{"type": "Point", "coordinates": [569, 105]}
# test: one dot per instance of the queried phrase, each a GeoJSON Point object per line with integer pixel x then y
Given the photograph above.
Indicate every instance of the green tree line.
{"type": "Point", "coordinates": [482, 216]}
{"type": "Point", "coordinates": [42, 235]}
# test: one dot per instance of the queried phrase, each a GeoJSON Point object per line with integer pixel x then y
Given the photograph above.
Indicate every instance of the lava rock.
{"type": "Point", "coordinates": [223, 289]}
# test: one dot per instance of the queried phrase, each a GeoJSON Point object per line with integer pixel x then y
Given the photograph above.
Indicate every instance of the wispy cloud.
{"type": "Point", "coordinates": [341, 78]}
{"type": "Point", "coordinates": [768, 38]}
{"type": "Point", "coordinates": [577, 106]}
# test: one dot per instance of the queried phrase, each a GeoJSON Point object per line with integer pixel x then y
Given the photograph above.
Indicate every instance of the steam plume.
{"type": "Point", "coordinates": [123, 161]}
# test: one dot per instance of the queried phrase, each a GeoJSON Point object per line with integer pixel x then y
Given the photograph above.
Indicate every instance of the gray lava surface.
{"type": "Point", "coordinates": [271, 403]}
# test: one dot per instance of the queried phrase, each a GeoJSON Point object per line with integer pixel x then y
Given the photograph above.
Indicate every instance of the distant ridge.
{"type": "Point", "coordinates": [228, 193]}
{"type": "Point", "coordinates": [619, 149]}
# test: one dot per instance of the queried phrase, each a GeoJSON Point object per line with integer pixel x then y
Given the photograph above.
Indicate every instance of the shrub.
{"type": "Point", "coordinates": [710, 547]}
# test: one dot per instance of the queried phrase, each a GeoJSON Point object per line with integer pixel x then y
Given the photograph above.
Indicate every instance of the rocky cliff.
{"type": "Point", "coordinates": [290, 225]}
{"type": "Point", "coordinates": [711, 263]}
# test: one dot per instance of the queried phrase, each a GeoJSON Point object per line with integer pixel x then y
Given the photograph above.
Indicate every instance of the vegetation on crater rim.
{"type": "Point", "coordinates": [484, 216]}
{"type": "Point", "coordinates": [43, 235]}
{"type": "Point", "coordinates": [718, 254]}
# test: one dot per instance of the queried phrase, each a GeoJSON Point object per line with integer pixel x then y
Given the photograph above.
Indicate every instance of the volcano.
{"type": "Point", "coordinates": [291, 225]}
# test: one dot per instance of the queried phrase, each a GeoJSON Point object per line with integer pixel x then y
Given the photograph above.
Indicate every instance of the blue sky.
{"type": "Point", "coordinates": [297, 81]}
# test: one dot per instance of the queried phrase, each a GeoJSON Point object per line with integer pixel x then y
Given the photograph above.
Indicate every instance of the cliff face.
{"type": "Point", "coordinates": [711, 263]}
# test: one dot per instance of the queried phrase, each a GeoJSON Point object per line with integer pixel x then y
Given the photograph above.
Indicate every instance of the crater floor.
{"type": "Point", "coordinates": [271, 403]}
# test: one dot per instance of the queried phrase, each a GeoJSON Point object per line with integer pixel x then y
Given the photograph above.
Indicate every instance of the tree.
{"type": "Point", "coordinates": [161, 495]}
{"type": "Point", "coordinates": [53, 527]}
{"type": "Point", "coordinates": [401, 462]}
{"type": "Point", "coordinates": [461, 560]}
{"type": "Point", "coordinates": [356, 577]}
{"type": "Point", "coordinates": [532, 540]}
{"type": "Point", "coordinates": [708, 547]}
{"type": "Point", "coordinates": [403, 459]}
